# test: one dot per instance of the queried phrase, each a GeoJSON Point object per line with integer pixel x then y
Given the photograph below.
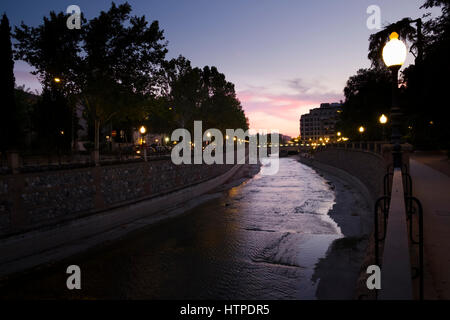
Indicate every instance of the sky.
{"type": "Point", "coordinates": [284, 56]}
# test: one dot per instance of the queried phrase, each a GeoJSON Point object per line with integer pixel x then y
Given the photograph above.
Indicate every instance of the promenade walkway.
{"type": "Point", "coordinates": [431, 182]}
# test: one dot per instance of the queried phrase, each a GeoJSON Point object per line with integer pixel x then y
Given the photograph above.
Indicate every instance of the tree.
{"type": "Point", "coordinates": [203, 94]}
{"type": "Point", "coordinates": [108, 65]}
{"type": "Point", "coordinates": [52, 121]}
{"type": "Point", "coordinates": [8, 113]}
{"type": "Point", "coordinates": [367, 96]}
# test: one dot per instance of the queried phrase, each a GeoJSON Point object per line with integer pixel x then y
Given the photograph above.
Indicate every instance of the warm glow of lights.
{"type": "Point", "coordinates": [234, 138]}
{"type": "Point", "coordinates": [361, 129]}
{"type": "Point", "coordinates": [394, 52]}
{"type": "Point", "coordinates": [227, 137]}
{"type": "Point", "coordinates": [166, 139]}
{"type": "Point", "coordinates": [142, 130]}
{"type": "Point", "coordinates": [57, 80]}
{"type": "Point", "coordinates": [383, 119]}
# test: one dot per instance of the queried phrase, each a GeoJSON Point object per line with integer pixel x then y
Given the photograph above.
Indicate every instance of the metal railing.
{"type": "Point", "coordinates": [413, 220]}
{"type": "Point", "coordinates": [370, 146]}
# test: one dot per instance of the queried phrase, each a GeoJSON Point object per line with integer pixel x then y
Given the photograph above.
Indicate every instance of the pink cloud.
{"type": "Point", "coordinates": [280, 111]}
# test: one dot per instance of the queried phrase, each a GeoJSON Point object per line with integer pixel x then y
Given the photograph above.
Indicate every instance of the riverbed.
{"type": "Point", "coordinates": [271, 237]}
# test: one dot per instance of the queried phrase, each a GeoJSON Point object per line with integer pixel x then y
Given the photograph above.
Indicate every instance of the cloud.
{"type": "Point", "coordinates": [281, 107]}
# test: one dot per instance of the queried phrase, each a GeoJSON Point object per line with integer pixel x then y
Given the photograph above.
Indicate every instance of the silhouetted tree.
{"type": "Point", "coordinates": [367, 96]}
{"type": "Point", "coordinates": [9, 132]}
{"type": "Point", "coordinates": [205, 95]}
{"type": "Point", "coordinates": [108, 65]}
{"type": "Point", "coordinates": [52, 121]}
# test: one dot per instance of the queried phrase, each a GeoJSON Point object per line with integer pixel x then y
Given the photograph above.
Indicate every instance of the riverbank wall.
{"type": "Point", "coordinates": [61, 213]}
{"type": "Point", "coordinates": [36, 200]}
{"type": "Point", "coordinates": [365, 170]}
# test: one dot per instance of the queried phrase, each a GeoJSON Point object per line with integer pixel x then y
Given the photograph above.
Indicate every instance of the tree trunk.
{"type": "Point", "coordinates": [97, 141]}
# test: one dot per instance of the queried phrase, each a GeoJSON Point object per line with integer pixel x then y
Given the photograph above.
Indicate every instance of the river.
{"type": "Point", "coordinates": [259, 240]}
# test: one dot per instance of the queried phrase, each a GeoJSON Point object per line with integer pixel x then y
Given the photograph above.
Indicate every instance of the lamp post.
{"type": "Point", "coordinates": [361, 130]}
{"type": "Point", "coordinates": [142, 131]}
{"type": "Point", "coordinates": [394, 56]}
{"type": "Point", "coordinates": [383, 120]}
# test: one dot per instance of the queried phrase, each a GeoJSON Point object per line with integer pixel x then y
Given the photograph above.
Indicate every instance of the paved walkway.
{"type": "Point", "coordinates": [432, 186]}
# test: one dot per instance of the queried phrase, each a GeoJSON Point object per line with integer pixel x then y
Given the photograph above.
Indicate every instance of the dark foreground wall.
{"type": "Point", "coordinates": [29, 201]}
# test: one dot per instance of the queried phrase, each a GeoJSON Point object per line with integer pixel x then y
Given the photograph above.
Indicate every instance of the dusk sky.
{"type": "Point", "coordinates": [285, 57]}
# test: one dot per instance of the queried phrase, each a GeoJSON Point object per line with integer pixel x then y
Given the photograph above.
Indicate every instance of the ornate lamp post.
{"type": "Point", "coordinates": [394, 56]}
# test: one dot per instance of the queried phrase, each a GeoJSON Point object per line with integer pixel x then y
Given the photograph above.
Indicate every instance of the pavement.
{"type": "Point", "coordinates": [430, 174]}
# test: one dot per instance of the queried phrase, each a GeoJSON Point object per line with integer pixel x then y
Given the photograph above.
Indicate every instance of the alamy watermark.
{"type": "Point", "coordinates": [374, 20]}
{"type": "Point", "coordinates": [208, 147]}
{"type": "Point", "coordinates": [74, 280]}
{"type": "Point", "coordinates": [74, 20]}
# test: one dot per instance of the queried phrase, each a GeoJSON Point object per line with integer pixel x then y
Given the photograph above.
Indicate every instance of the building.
{"type": "Point", "coordinates": [319, 124]}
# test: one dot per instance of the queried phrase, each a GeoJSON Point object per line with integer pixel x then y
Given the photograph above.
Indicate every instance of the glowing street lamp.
{"type": "Point", "coordinates": [383, 120]}
{"type": "Point", "coordinates": [394, 52]}
{"type": "Point", "coordinates": [57, 80]}
{"type": "Point", "coordinates": [394, 56]}
{"type": "Point", "coordinates": [361, 130]}
{"type": "Point", "coordinates": [142, 131]}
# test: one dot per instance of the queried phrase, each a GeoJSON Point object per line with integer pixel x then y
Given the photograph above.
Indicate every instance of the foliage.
{"type": "Point", "coordinates": [115, 67]}
{"type": "Point", "coordinates": [367, 96]}
{"type": "Point", "coordinates": [9, 115]}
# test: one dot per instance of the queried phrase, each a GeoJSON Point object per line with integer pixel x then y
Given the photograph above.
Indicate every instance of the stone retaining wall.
{"type": "Point", "coordinates": [33, 200]}
{"type": "Point", "coordinates": [366, 166]}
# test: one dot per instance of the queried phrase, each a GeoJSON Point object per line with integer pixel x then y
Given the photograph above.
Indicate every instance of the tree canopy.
{"type": "Point", "coordinates": [9, 115]}
{"type": "Point", "coordinates": [115, 67]}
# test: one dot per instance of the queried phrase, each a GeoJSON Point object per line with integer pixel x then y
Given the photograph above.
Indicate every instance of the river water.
{"type": "Point", "coordinates": [260, 240]}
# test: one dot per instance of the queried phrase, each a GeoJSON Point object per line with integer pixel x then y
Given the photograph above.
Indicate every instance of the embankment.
{"type": "Point", "coordinates": [51, 215]}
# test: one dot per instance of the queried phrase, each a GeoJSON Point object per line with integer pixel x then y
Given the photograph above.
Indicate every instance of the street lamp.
{"type": "Point", "coordinates": [143, 130]}
{"type": "Point", "coordinates": [361, 130]}
{"type": "Point", "coordinates": [394, 56]}
{"type": "Point", "coordinates": [57, 80]}
{"type": "Point", "coordinates": [383, 120]}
